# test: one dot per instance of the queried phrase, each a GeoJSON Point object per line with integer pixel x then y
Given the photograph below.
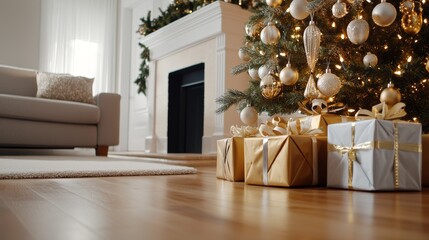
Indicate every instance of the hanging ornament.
{"type": "Point", "coordinates": [329, 84]}
{"type": "Point", "coordinates": [270, 86]}
{"type": "Point", "coordinates": [274, 3]}
{"type": "Point", "coordinates": [390, 95]}
{"type": "Point", "coordinates": [358, 31]}
{"type": "Point", "coordinates": [298, 9]}
{"type": "Point", "coordinates": [253, 73]}
{"type": "Point", "coordinates": [411, 22]}
{"type": "Point", "coordinates": [249, 115]}
{"type": "Point", "coordinates": [370, 60]}
{"type": "Point", "coordinates": [243, 55]}
{"type": "Point", "coordinates": [262, 71]}
{"type": "Point", "coordinates": [339, 9]}
{"type": "Point", "coordinates": [288, 76]}
{"type": "Point", "coordinates": [270, 35]}
{"type": "Point", "coordinates": [384, 14]}
{"type": "Point", "coordinates": [311, 91]}
{"type": "Point", "coordinates": [312, 38]}
{"type": "Point", "coordinates": [427, 65]}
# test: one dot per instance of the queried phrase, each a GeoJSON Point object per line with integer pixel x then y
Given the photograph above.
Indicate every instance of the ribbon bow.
{"type": "Point", "coordinates": [244, 131]}
{"type": "Point", "coordinates": [296, 127]}
{"type": "Point", "coordinates": [382, 111]}
{"type": "Point", "coordinates": [320, 106]}
{"type": "Point", "coordinates": [277, 126]}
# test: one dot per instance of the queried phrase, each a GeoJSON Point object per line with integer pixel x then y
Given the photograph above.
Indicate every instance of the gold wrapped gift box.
{"type": "Point", "coordinates": [230, 159]}
{"type": "Point", "coordinates": [285, 161]}
{"type": "Point", "coordinates": [323, 120]}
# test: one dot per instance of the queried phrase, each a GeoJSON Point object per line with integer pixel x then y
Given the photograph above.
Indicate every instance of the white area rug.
{"type": "Point", "coordinates": [20, 167]}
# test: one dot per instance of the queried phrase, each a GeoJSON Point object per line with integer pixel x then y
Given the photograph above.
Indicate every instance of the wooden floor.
{"type": "Point", "coordinates": [201, 207]}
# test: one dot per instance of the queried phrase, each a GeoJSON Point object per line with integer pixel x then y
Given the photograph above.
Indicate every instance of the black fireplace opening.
{"type": "Point", "coordinates": [186, 110]}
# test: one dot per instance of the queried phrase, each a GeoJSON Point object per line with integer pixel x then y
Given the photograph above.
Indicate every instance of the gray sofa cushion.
{"type": "Point", "coordinates": [18, 81]}
{"type": "Point", "coordinates": [39, 109]}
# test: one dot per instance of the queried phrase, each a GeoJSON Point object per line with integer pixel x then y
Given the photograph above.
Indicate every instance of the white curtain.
{"type": "Point", "coordinates": [79, 37]}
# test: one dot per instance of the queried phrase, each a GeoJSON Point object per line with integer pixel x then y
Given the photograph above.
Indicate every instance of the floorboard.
{"type": "Point", "coordinates": [199, 206]}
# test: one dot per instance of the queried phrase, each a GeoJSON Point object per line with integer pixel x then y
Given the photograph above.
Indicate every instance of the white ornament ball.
{"type": "Point", "coordinates": [339, 9]}
{"type": "Point", "coordinates": [329, 84]}
{"type": "Point", "coordinates": [288, 76]}
{"type": "Point", "coordinates": [243, 55]}
{"type": "Point", "coordinates": [253, 73]}
{"type": "Point", "coordinates": [274, 3]}
{"type": "Point", "coordinates": [270, 35]}
{"type": "Point", "coordinates": [370, 60]}
{"type": "Point", "coordinates": [384, 14]}
{"type": "Point", "coordinates": [298, 9]}
{"type": "Point", "coordinates": [358, 31]}
{"type": "Point", "coordinates": [262, 71]}
{"type": "Point", "coordinates": [427, 65]}
{"type": "Point", "coordinates": [249, 115]}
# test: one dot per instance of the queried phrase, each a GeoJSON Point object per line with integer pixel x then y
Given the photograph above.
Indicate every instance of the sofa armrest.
{"type": "Point", "coordinates": [108, 127]}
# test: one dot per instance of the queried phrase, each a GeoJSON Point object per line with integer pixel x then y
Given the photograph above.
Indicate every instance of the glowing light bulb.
{"type": "Point", "coordinates": [341, 58]}
{"type": "Point", "coordinates": [333, 24]}
{"type": "Point", "coordinates": [399, 36]}
{"type": "Point", "coordinates": [409, 59]}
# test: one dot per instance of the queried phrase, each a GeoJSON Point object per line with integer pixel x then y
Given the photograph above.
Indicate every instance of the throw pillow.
{"type": "Point", "coordinates": [64, 87]}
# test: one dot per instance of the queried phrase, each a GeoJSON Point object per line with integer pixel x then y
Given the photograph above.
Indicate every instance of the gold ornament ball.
{"type": "Point", "coordinates": [358, 31]}
{"type": "Point", "coordinates": [329, 84]}
{"type": "Point", "coordinates": [270, 86]}
{"type": "Point", "coordinates": [390, 95]}
{"type": "Point", "coordinates": [384, 14]}
{"type": "Point", "coordinates": [270, 35]}
{"type": "Point", "coordinates": [411, 22]}
{"type": "Point", "coordinates": [274, 3]}
{"type": "Point", "coordinates": [288, 76]}
{"type": "Point", "coordinates": [249, 115]}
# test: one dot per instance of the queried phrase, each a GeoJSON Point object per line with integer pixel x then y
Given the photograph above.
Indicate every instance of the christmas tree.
{"type": "Point", "coordinates": [364, 46]}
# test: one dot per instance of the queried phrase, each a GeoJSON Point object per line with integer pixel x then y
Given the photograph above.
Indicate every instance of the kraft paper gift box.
{"type": "Point", "coordinates": [285, 161]}
{"type": "Point", "coordinates": [230, 159]}
{"type": "Point", "coordinates": [323, 120]}
{"type": "Point", "coordinates": [425, 160]}
{"type": "Point", "coordinates": [375, 155]}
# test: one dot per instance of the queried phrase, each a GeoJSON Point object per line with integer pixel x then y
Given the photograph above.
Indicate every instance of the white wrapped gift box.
{"type": "Point", "coordinates": [375, 155]}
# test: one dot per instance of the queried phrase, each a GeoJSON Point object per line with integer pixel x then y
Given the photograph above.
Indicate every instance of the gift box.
{"type": "Point", "coordinates": [323, 120]}
{"type": "Point", "coordinates": [375, 155]}
{"type": "Point", "coordinates": [285, 161]}
{"type": "Point", "coordinates": [425, 160]}
{"type": "Point", "coordinates": [230, 159]}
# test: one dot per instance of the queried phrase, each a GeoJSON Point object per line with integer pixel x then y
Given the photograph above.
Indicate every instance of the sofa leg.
{"type": "Point", "coordinates": [101, 151]}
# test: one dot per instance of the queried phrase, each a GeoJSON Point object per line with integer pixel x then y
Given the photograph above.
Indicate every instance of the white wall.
{"type": "Point", "coordinates": [135, 119]}
{"type": "Point", "coordinates": [20, 33]}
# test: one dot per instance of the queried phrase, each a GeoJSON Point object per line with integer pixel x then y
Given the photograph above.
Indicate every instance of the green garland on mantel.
{"type": "Point", "coordinates": [175, 11]}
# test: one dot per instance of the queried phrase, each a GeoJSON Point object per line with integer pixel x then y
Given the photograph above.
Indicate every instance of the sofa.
{"type": "Point", "coordinates": [31, 121]}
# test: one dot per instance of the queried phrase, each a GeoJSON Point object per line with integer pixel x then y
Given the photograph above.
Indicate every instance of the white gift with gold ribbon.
{"type": "Point", "coordinates": [374, 155]}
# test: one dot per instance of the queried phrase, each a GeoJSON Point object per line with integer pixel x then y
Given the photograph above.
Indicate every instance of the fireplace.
{"type": "Point", "coordinates": [206, 41]}
{"type": "Point", "coordinates": [186, 110]}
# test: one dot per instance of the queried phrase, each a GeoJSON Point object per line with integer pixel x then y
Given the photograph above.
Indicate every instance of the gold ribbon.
{"type": "Point", "coordinates": [225, 164]}
{"type": "Point", "coordinates": [319, 106]}
{"type": "Point", "coordinates": [370, 145]}
{"type": "Point", "coordinates": [244, 131]}
{"type": "Point", "coordinates": [382, 111]}
{"type": "Point", "coordinates": [275, 127]}
{"type": "Point", "coordinates": [278, 126]}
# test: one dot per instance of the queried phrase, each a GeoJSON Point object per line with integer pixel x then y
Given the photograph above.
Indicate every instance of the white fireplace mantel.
{"type": "Point", "coordinates": [213, 35]}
